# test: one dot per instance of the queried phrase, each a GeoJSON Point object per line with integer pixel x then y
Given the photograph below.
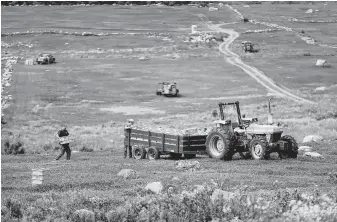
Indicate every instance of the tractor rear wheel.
{"type": "Point", "coordinates": [292, 153]}
{"type": "Point", "coordinates": [153, 153]}
{"type": "Point", "coordinates": [139, 153]}
{"type": "Point", "coordinates": [219, 145]}
{"type": "Point", "coordinates": [258, 148]}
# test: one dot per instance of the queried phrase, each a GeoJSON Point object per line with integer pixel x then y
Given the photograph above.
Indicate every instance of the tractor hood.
{"type": "Point", "coordinates": [263, 129]}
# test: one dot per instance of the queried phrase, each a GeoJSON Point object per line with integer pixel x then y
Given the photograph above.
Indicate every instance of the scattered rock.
{"type": "Point", "coordinates": [196, 131]}
{"type": "Point", "coordinates": [322, 88]}
{"type": "Point", "coordinates": [246, 6]}
{"type": "Point", "coordinates": [312, 138]}
{"type": "Point", "coordinates": [128, 174]}
{"type": "Point", "coordinates": [211, 9]}
{"type": "Point", "coordinates": [143, 58]}
{"type": "Point", "coordinates": [187, 165]}
{"type": "Point", "coordinates": [322, 63]}
{"type": "Point", "coordinates": [155, 187]}
{"type": "Point", "coordinates": [312, 154]}
{"type": "Point", "coordinates": [305, 148]}
{"type": "Point", "coordinates": [309, 11]}
{"type": "Point", "coordinates": [175, 178]}
{"type": "Point", "coordinates": [221, 195]}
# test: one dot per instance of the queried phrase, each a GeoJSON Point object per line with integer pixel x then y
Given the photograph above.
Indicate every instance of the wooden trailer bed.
{"type": "Point", "coordinates": [166, 143]}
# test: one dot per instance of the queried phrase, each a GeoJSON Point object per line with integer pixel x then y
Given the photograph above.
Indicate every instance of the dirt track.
{"type": "Point", "coordinates": [259, 76]}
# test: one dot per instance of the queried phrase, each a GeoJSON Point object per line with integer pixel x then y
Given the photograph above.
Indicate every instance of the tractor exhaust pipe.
{"type": "Point", "coordinates": [270, 115]}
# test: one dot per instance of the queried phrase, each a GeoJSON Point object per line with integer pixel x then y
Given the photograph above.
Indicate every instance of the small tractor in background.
{"type": "Point", "coordinates": [167, 89]}
{"type": "Point", "coordinates": [245, 136]}
{"type": "Point", "coordinates": [45, 58]}
{"type": "Point", "coordinates": [250, 47]}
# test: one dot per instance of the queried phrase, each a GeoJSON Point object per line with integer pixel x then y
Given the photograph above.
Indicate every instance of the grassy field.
{"type": "Point", "coordinates": [99, 82]}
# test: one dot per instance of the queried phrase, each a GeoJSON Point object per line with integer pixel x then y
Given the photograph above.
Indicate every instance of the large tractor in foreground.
{"type": "Point", "coordinates": [247, 137]}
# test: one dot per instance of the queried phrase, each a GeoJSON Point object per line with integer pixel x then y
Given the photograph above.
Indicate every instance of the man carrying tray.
{"type": "Point", "coordinates": [64, 142]}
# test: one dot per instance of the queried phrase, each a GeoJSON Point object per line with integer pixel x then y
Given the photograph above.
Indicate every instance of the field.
{"type": "Point", "coordinates": [99, 81]}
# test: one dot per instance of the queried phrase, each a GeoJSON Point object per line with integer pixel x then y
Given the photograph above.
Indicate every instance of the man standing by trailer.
{"type": "Point", "coordinates": [63, 135]}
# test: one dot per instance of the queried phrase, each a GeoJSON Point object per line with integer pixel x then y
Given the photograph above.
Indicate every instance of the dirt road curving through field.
{"type": "Point", "coordinates": [259, 76]}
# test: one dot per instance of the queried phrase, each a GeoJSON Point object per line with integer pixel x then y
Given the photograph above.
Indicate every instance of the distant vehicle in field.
{"type": "Point", "coordinates": [167, 89]}
{"type": "Point", "coordinates": [45, 58]}
{"type": "Point", "coordinates": [250, 47]}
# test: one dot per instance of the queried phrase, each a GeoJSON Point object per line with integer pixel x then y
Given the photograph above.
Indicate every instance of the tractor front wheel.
{"type": "Point", "coordinates": [139, 153]}
{"type": "Point", "coordinates": [218, 145]}
{"type": "Point", "coordinates": [292, 153]}
{"type": "Point", "coordinates": [258, 148]}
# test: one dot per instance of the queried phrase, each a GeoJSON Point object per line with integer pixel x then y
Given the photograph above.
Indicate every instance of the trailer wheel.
{"type": "Point", "coordinates": [139, 153]}
{"type": "Point", "coordinates": [189, 156]}
{"type": "Point", "coordinates": [218, 144]}
{"type": "Point", "coordinates": [292, 153]}
{"type": "Point", "coordinates": [153, 153]}
{"type": "Point", "coordinates": [258, 147]}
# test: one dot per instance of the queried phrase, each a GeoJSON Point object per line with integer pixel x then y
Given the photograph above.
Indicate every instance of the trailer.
{"type": "Point", "coordinates": [146, 144]}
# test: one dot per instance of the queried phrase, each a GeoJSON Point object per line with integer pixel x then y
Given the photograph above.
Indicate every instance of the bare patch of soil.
{"type": "Point", "coordinates": [133, 110]}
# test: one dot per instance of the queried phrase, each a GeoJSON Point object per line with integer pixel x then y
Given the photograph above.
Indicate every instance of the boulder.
{"type": "Point", "coordinates": [211, 9]}
{"type": "Point", "coordinates": [309, 11]}
{"type": "Point", "coordinates": [321, 63]}
{"type": "Point", "coordinates": [305, 148]}
{"type": "Point", "coordinates": [312, 154]}
{"type": "Point", "coordinates": [155, 187]}
{"type": "Point", "coordinates": [187, 165]}
{"type": "Point", "coordinates": [128, 174]}
{"type": "Point", "coordinates": [221, 195]}
{"type": "Point", "coordinates": [312, 138]}
{"type": "Point", "coordinates": [322, 88]}
{"type": "Point", "coordinates": [143, 58]}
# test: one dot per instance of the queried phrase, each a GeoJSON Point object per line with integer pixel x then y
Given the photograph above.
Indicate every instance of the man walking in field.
{"type": "Point", "coordinates": [63, 135]}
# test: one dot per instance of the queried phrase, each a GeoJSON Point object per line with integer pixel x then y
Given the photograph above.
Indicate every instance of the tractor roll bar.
{"type": "Point", "coordinates": [236, 104]}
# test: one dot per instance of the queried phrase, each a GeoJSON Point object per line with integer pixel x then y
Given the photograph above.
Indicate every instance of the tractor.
{"type": "Point", "coordinates": [250, 47]}
{"type": "Point", "coordinates": [247, 137]}
{"type": "Point", "coordinates": [45, 58]}
{"type": "Point", "coordinates": [167, 89]}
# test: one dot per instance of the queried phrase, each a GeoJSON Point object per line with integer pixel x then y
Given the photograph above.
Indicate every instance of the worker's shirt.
{"type": "Point", "coordinates": [62, 133]}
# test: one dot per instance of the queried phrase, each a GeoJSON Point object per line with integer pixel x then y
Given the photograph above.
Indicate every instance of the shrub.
{"type": "Point", "coordinates": [245, 20]}
{"type": "Point", "coordinates": [12, 209]}
{"type": "Point", "coordinates": [13, 145]}
{"type": "Point", "coordinates": [86, 149]}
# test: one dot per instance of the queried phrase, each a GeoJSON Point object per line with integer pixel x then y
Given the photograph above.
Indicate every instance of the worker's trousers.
{"type": "Point", "coordinates": [65, 149]}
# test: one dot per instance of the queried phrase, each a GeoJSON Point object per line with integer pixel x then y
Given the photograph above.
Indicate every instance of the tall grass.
{"type": "Point", "coordinates": [190, 205]}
